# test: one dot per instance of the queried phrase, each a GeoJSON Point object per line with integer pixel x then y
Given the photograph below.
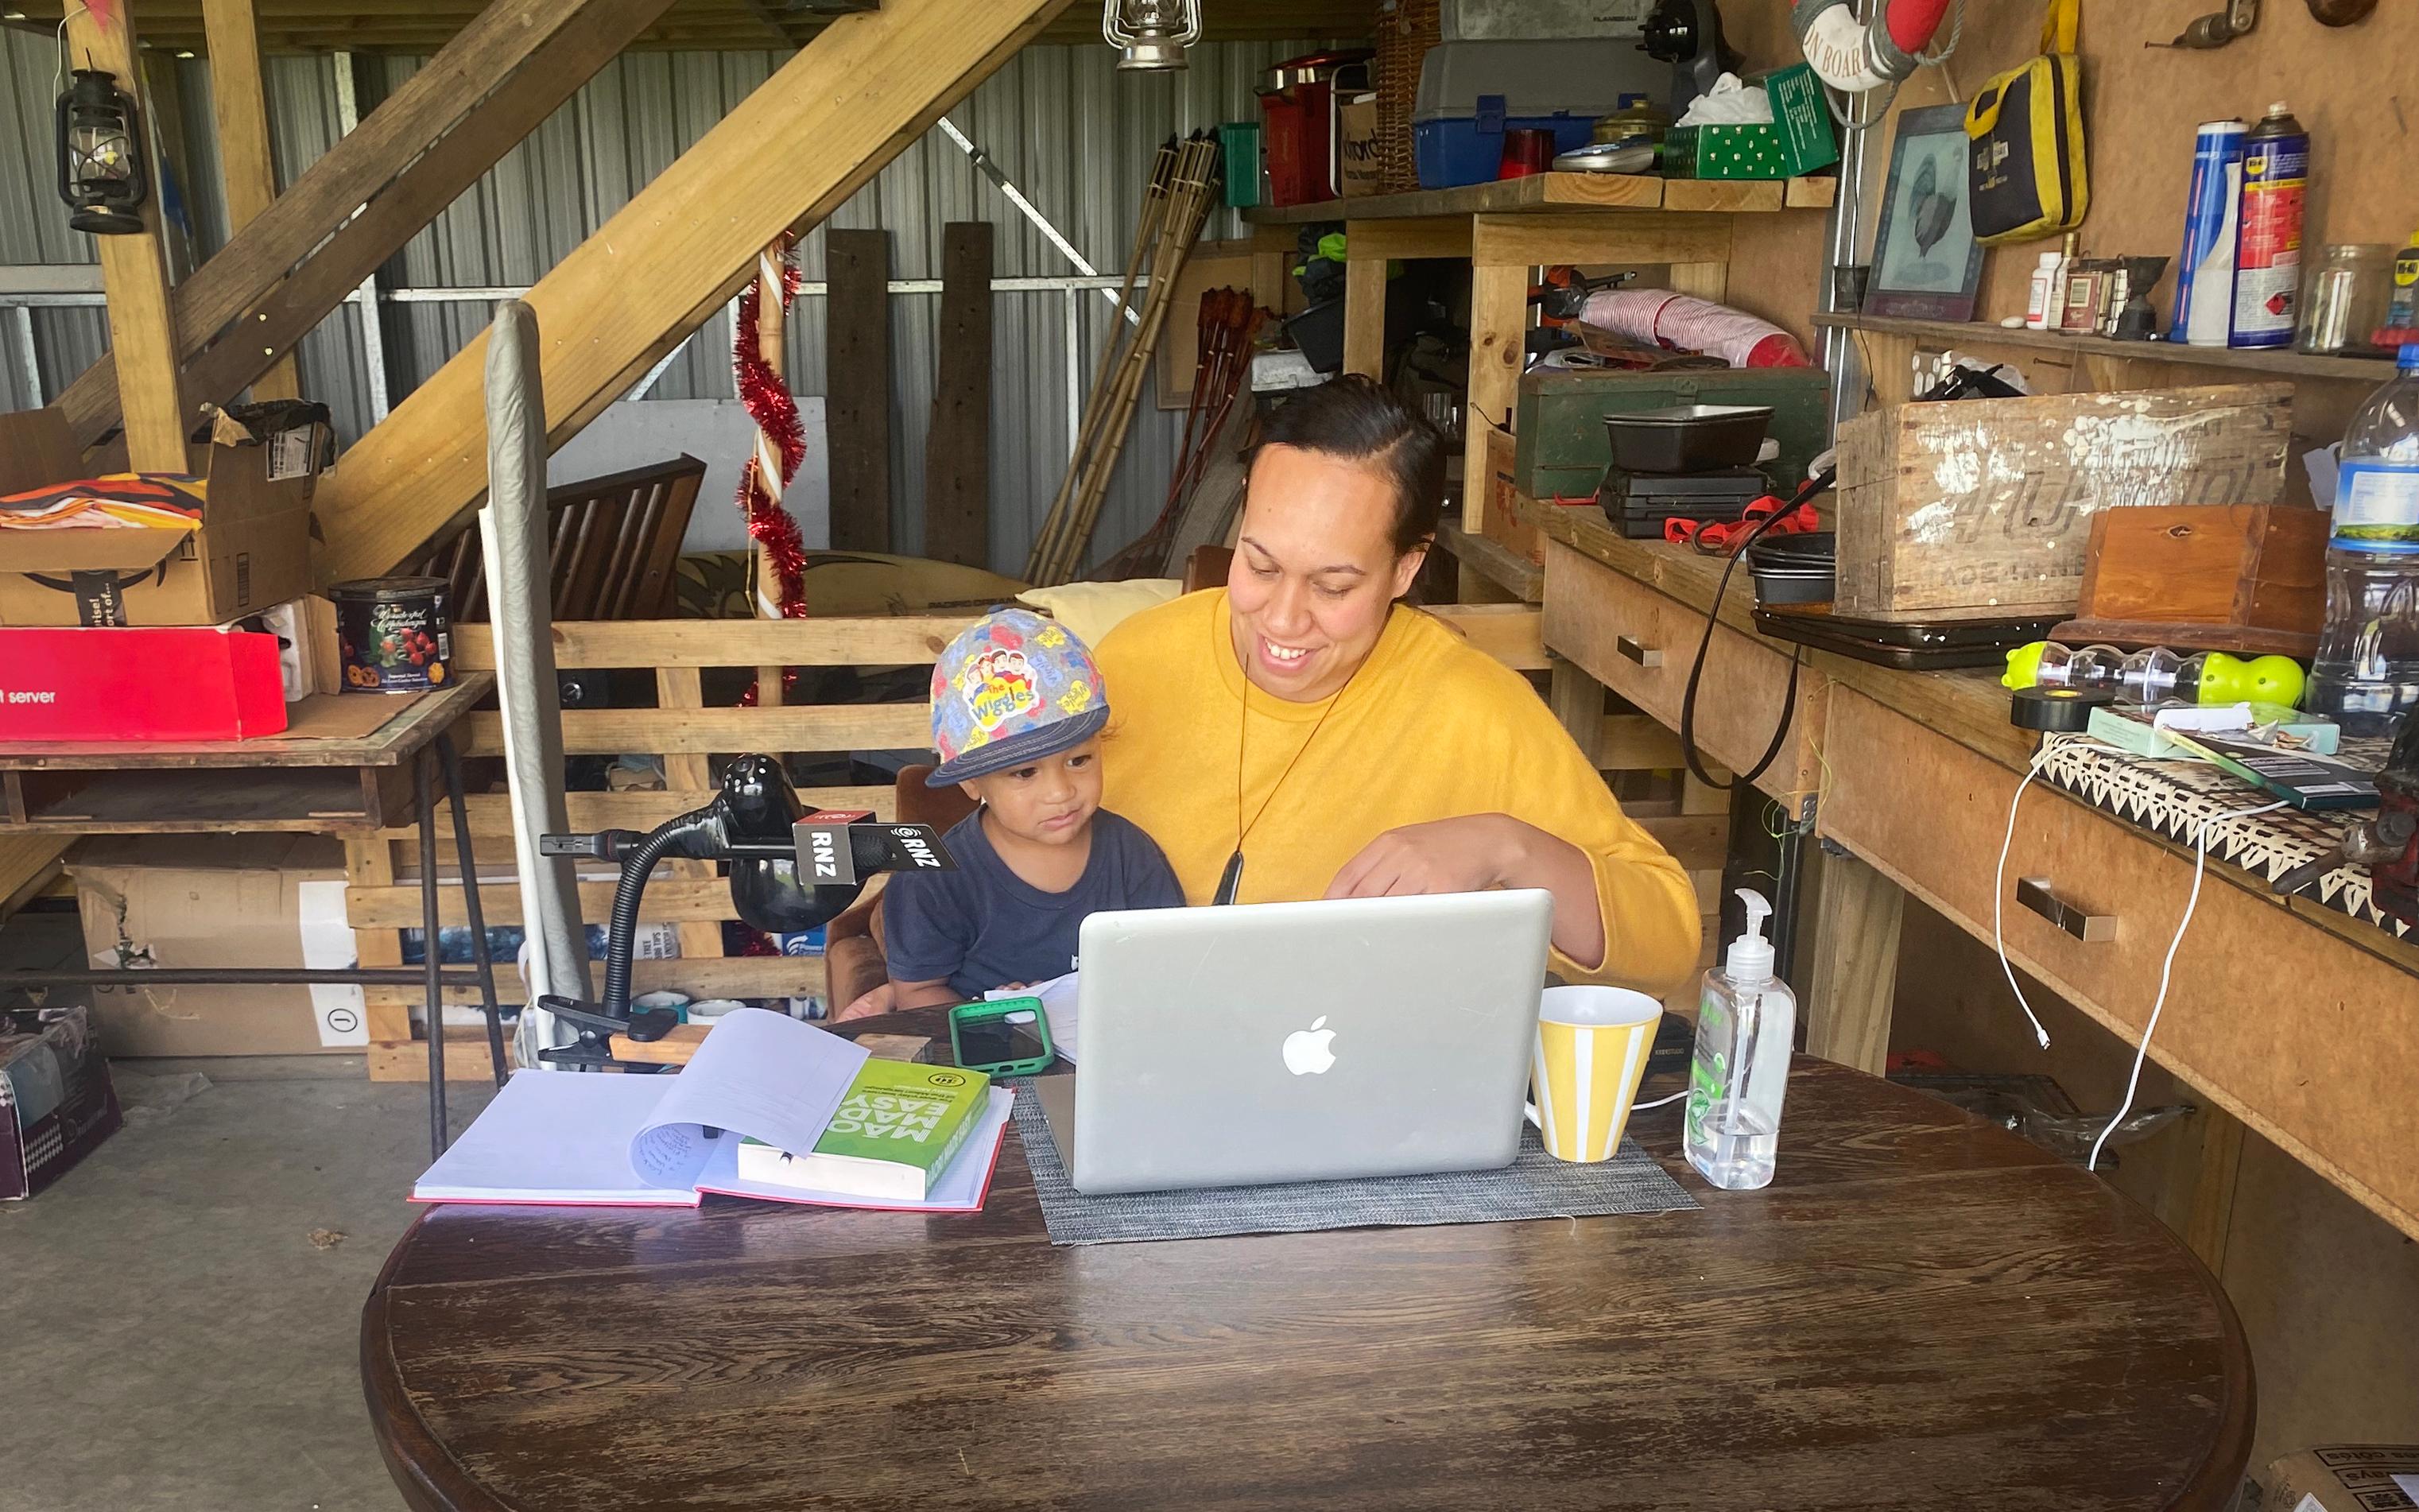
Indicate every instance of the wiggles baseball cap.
{"type": "Point", "coordinates": [1012, 688]}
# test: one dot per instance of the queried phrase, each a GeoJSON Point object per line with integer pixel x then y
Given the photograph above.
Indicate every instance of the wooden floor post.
{"type": "Point", "coordinates": [856, 386]}
{"type": "Point", "coordinates": [957, 449]}
{"type": "Point", "coordinates": [1577, 701]}
{"type": "Point", "coordinates": [1365, 316]}
{"type": "Point", "coordinates": [246, 163]}
{"type": "Point", "coordinates": [1856, 920]}
{"type": "Point", "coordinates": [135, 269]}
{"type": "Point", "coordinates": [772, 346]}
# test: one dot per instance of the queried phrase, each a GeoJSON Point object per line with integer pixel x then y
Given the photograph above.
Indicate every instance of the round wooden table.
{"type": "Point", "coordinates": [1921, 1311]}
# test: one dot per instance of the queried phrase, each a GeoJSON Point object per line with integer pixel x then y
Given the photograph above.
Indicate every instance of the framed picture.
{"type": "Point", "coordinates": [1926, 263]}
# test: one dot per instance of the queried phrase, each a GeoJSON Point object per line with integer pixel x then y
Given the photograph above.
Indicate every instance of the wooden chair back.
{"type": "Point", "coordinates": [1206, 567]}
{"type": "Point", "coordinates": [381, 899]}
{"type": "Point", "coordinates": [615, 543]}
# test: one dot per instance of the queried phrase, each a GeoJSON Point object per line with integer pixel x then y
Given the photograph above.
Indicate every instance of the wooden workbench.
{"type": "Point", "coordinates": [1505, 229]}
{"type": "Point", "coordinates": [2299, 1022]}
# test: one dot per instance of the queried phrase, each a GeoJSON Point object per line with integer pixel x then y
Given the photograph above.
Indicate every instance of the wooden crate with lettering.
{"type": "Point", "coordinates": [693, 741]}
{"type": "Point", "coordinates": [1981, 508]}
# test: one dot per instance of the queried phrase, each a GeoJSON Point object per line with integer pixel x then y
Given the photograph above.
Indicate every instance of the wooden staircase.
{"type": "Point", "coordinates": [786, 157]}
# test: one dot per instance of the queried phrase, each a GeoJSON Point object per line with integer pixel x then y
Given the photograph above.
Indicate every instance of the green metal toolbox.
{"type": "Point", "coordinates": [1560, 446]}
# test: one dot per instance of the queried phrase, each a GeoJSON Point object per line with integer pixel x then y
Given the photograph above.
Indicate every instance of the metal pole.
{"type": "Point", "coordinates": [1839, 352]}
{"type": "Point", "coordinates": [429, 952]}
{"type": "Point", "coordinates": [1075, 378]}
{"type": "Point", "coordinates": [462, 857]}
{"type": "Point", "coordinates": [999, 177]}
{"type": "Point", "coordinates": [236, 977]}
{"type": "Point", "coordinates": [32, 361]}
{"type": "Point", "coordinates": [365, 299]}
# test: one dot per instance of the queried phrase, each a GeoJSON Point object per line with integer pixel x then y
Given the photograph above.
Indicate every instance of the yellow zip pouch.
{"type": "Point", "coordinates": [2023, 135]}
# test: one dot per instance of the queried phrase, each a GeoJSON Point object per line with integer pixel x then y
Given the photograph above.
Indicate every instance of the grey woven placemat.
{"type": "Point", "coordinates": [1534, 1185]}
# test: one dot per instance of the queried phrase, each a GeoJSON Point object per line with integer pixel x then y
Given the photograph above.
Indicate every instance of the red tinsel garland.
{"type": "Point", "coordinates": [770, 403]}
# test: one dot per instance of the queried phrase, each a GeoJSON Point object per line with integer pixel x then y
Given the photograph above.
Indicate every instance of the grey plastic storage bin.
{"type": "Point", "coordinates": [1558, 76]}
{"type": "Point", "coordinates": [1472, 20]}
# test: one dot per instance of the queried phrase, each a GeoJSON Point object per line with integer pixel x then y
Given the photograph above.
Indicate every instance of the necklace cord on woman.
{"type": "Point", "coordinates": [1230, 881]}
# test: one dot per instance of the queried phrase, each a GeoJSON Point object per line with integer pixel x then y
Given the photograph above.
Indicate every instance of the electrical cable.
{"type": "Point", "coordinates": [1999, 895]}
{"type": "Point", "coordinates": [2192, 901]}
{"type": "Point", "coordinates": [1640, 1107]}
{"type": "Point", "coordinates": [1812, 486]}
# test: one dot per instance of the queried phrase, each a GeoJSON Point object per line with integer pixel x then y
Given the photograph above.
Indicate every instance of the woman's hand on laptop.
{"type": "Point", "coordinates": [1465, 855]}
{"type": "Point", "coordinates": [1480, 851]}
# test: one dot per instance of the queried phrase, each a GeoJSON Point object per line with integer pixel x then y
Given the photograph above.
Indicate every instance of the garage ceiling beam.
{"type": "Point", "coordinates": [411, 157]}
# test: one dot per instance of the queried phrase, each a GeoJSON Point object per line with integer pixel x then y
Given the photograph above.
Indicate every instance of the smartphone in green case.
{"type": "Point", "coordinates": [1005, 1037]}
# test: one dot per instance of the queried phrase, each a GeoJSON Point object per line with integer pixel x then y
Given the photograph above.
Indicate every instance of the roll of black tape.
{"type": "Point", "coordinates": [2065, 710]}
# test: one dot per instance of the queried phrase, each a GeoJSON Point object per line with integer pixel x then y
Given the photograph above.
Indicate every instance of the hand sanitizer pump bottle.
{"type": "Point", "coordinates": [1746, 1020]}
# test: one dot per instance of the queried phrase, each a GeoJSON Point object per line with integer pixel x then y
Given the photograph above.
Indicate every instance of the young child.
{"type": "Point", "coordinates": [1017, 713]}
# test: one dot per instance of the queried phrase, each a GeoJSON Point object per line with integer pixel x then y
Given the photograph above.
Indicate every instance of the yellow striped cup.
{"type": "Point", "coordinates": [1589, 1056]}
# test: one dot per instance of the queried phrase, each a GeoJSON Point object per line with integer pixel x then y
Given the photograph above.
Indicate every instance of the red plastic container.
{"type": "Point", "coordinates": [166, 684]}
{"type": "Point", "coordinates": [1298, 125]}
{"type": "Point", "coordinates": [1293, 125]}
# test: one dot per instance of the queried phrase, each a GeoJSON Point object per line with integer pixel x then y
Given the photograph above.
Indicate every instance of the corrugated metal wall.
{"type": "Point", "coordinates": [1073, 134]}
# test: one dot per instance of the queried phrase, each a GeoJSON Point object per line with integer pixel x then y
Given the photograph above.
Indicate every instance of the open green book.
{"type": "Point", "coordinates": [898, 1128]}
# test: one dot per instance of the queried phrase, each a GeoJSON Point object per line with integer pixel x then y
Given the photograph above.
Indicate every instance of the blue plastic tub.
{"type": "Point", "coordinates": [1466, 149]}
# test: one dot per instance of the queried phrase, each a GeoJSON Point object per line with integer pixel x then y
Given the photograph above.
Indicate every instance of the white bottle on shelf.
{"type": "Point", "coordinates": [2037, 307]}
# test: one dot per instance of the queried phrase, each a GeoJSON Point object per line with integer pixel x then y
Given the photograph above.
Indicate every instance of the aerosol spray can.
{"type": "Point", "coordinates": [2267, 248]}
{"type": "Point", "coordinates": [2204, 268]}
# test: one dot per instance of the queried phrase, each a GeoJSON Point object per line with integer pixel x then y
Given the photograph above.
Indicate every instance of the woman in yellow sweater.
{"type": "Point", "coordinates": [1299, 734]}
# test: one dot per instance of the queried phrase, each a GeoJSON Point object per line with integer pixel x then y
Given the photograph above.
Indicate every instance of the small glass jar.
{"type": "Point", "coordinates": [2344, 300]}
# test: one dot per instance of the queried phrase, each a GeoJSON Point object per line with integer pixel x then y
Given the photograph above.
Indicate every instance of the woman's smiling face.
{"type": "Point", "coordinates": [1316, 570]}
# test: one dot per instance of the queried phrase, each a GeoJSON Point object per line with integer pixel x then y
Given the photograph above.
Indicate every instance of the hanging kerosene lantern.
{"type": "Point", "coordinates": [1150, 36]}
{"type": "Point", "coordinates": [101, 155]}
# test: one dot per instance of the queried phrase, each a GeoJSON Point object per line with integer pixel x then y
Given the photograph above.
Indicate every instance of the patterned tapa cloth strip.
{"type": "Point", "coordinates": [122, 500]}
{"type": "Point", "coordinates": [1534, 1185]}
{"type": "Point", "coordinates": [2175, 797]}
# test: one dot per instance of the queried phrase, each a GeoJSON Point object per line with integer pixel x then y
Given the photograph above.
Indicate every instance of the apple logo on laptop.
{"type": "Point", "coordinates": [1306, 1050]}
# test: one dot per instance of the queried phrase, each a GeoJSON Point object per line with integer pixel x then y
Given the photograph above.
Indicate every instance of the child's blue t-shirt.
{"type": "Point", "coordinates": [983, 926]}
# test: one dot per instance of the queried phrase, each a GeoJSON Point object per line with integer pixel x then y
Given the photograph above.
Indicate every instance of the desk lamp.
{"type": "Point", "coordinates": [790, 869]}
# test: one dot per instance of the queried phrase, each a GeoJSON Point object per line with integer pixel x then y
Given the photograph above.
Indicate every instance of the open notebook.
{"type": "Point", "coordinates": [567, 1137]}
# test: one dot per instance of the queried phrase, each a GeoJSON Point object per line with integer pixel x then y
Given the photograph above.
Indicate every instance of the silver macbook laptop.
{"type": "Point", "coordinates": [1303, 1042]}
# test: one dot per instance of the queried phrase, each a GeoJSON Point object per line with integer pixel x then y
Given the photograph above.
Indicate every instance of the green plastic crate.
{"type": "Point", "coordinates": [1559, 441]}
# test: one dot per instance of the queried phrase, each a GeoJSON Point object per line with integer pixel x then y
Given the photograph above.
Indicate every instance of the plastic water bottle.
{"type": "Point", "coordinates": [2367, 673]}
{"type": "Point", "coordinates": [1747, 1019]}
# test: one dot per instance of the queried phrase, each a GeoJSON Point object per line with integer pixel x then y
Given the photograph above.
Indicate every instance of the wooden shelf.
{"type": "Point", "coordinates": [2286, 362]}
{"type": "Point", "coordinates": [1564, 192]}
{"type": "Point", "coordinates": [1496, 562]}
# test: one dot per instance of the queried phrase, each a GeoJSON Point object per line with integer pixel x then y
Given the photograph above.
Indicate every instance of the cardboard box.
{"type": "Point", "coordinates": [1359, 165]}
{"type": "Point", "coordinates": [1502, 521]}
{"type": "Point", "coordinates": [217, 901]}
{"type": "Point", "coordinates": [252, 551]}
{"type": "Point", "coordinates": [139, 684]}
{"type": "Point", "coordinates": [56, 1102]}
{"type": "Point", "coordinates": [2343, 1478]}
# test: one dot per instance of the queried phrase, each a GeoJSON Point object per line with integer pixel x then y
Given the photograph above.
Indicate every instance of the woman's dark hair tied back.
{"type": "Point", "coordinates": [1359, 418]}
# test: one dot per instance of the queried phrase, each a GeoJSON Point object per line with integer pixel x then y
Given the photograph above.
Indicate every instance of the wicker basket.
{"type": "Point", "coordinates": [1405, 30]}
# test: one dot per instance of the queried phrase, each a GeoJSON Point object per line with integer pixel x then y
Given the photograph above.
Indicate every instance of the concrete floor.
{"type": "Point", "coordinates": [170, 1334]}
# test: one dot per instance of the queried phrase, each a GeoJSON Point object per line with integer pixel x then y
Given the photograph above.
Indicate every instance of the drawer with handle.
{"type": "Point", "coordinates": [2307, 1038]}
{"type": "Point", "coordinates": [1639, 642]}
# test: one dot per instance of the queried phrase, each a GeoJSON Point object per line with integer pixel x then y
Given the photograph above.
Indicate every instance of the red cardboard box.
{"type": "Point", "coordinates": [139, 684]}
